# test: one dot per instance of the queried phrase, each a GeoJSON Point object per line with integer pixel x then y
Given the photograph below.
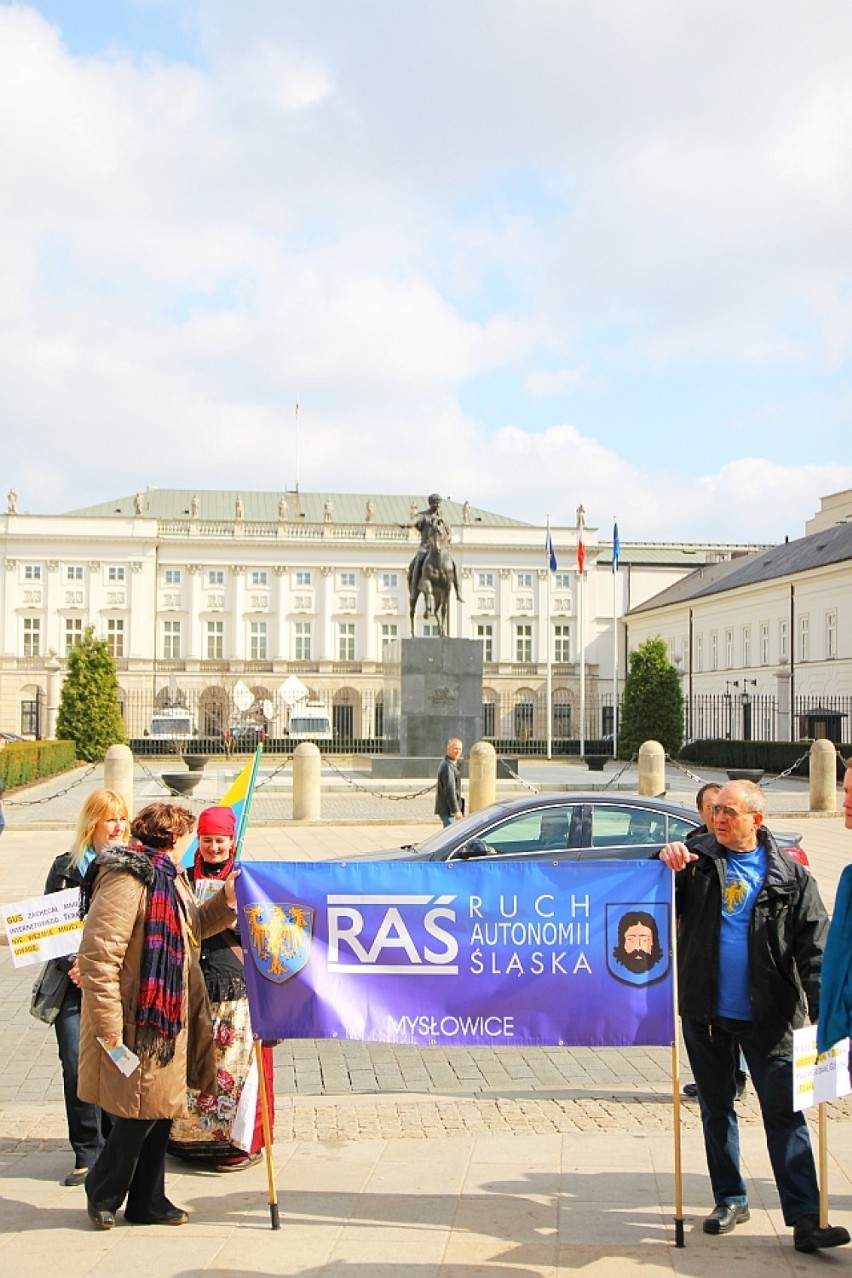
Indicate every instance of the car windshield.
{"type": "Point", "coordinates": [450, 835]}
{"type": "Point", "coordinates": [165, 727]}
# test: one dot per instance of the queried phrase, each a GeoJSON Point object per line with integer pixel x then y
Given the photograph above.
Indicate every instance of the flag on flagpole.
{"type": "Point", "coordinates": [297, 406]}
{"type": "Point", "coordinates": [616, 547]}
{"type": "Point", "coordinates": [237, 796]}
{"type": "Point", "coordinates": [551, 553]}
{"type": "Point", "coordinates": [581, 545]}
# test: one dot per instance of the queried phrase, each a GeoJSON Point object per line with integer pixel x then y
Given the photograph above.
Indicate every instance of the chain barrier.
{"type": "Point", "coordinates": [620, 773]}
{"type": "Point", "coordinates": [48, 798]}
{"type": "Point", "coordinates": [787, 771]}
{"type": "Point", "coordinates": [155, 776]}
{"type": "Point", "coordinates": [677, 764]}
{"type": "Point", "coordinates": [764, 784]}
{"type": "Point", "coordinates": [504, 765]}
{"type": "Point", "coordinates": [282, 767]}
{"type": "Point", "coordinates": [377, 794]}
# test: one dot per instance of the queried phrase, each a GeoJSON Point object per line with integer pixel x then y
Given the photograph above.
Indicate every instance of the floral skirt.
{"type": "Point", "coordinates": [216, 1125]}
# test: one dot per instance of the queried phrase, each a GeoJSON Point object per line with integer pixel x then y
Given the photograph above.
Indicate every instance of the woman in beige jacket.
{"type": "Point", "coordinates": [143, 989]}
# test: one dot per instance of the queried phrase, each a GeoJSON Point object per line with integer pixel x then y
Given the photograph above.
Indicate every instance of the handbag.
{"type": "Point", "coordinates": [48, 993]}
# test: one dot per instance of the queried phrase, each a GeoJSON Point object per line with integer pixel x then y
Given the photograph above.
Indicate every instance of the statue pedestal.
{"type": "Point", "coordinates": [432, 691]}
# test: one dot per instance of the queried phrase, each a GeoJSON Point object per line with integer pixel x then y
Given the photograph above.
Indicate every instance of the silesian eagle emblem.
{"type": "Point", "coordinates": [279, 938]}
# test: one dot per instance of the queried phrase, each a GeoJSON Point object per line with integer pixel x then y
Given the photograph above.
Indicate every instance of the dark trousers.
{"type": "Point", "coordinates": [714, 1057]}
{"type": "Point", "coordinates": [88, 1126]}
{"type": "Point", "coordinates": [132, 1165]}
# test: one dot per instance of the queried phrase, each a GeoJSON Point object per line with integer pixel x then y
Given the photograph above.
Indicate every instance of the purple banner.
{"type": "Point", "coordinates": [476, 952]}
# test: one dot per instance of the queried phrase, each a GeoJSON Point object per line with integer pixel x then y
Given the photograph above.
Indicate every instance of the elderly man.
{"type": "Point", "coordinates": [449, 805]}
{"type": "Point", "coordinates": [704, 800]}
{"type": "Point", "coordinates": [750, 940]}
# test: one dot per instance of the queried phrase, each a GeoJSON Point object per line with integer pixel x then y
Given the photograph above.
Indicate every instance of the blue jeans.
{"type": "Point", "coordinates": [87, 1124]}
{"type": "Point", "coordinates": [714, 1057]}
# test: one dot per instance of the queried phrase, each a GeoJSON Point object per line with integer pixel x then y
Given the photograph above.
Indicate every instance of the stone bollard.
{"type": "Point", "coordinates": [652, 769]}
{"type": "Point", "coordinates": [307, 774]}
{"type": "Point", "coordinates": [482, 770]}
{"type": "Point", "coordinates": [118, 773]}
{"type": "Point", "coordinates": [823, 777]}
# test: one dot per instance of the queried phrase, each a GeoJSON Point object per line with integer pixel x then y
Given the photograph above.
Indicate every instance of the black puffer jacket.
{"type": "Point", "coordinates": [786, 940]}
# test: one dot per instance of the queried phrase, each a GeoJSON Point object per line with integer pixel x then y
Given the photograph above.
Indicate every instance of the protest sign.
{"type": "Point", "coordinates": [43, 927]}
{"type": "Point", "coordinates": [477, 952]}
{"type": "Point", "coordinates": [818, 1078]}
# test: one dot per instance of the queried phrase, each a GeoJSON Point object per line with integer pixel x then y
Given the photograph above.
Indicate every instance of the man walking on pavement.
{"type": "Point", "coordinates": [751, 932]}
{"type": "Point", "coordinates": [449, 805]}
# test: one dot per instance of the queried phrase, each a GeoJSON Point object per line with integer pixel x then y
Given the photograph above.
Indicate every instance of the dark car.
{"type": "Point", "coordinates": [567, 828]}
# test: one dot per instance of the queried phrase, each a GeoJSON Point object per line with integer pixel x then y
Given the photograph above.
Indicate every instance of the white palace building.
{"type": "Point", "coordinates": [764, 642]}
{"type": "Point", "coordinates": [200, 593]}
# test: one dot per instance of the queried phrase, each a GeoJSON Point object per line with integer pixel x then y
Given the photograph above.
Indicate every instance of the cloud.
{"type": "Point", "coordinates": [542, 383]}
{"type": "Point", "coordinates": [453, 238]}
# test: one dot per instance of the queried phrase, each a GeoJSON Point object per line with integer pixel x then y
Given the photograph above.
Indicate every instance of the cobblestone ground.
{"type": "Point", "coordinates": [336, 1091]}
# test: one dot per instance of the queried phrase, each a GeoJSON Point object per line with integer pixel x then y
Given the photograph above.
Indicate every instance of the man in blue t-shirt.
{"type": "Point", "coordinates": [751, 934]}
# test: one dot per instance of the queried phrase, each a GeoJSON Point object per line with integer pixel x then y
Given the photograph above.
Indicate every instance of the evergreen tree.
{"type": "Point", "coordinates": [652, 709]}
{"type": "Point", "coordinates": [89, 713]}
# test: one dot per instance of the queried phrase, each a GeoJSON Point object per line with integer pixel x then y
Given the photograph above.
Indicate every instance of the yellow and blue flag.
{"type": "Point", "coordinates": [237, 796]}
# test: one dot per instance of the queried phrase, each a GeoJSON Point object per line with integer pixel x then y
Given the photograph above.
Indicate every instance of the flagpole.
{"type": "Point", "coordinates": [549, 684]}
{"type": "Point", "coordinates": [297, 441]}
{"type": "Point", "coordinates": [615, 553]}
{"type": "Point", "coordinates": [581, 564]}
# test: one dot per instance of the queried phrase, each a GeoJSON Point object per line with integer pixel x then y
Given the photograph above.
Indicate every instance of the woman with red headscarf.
{"type": "Point", "coordinates": [224, 1128]}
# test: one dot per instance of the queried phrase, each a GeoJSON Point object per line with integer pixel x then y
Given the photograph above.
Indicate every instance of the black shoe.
{"type": "Point", "coordinates": [690, 1089]}
{"type": "Point", "coordinates": [100, 1219]}
{"type": "Point", "coordinates": [742, 1083]}
{"type": "Point", "coordinates": [725, 1216]}
{"type": "Point", "coordinates": [76, 1177]}
{"type": "Point", "coordinates": [171, 1215]}
{"type": "Point", "coordinates": [808, 1235]}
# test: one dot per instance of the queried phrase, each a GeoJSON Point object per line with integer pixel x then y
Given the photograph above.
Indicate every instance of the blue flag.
{"type": "Point", "coordinates": [551, 553]}
{"type": "Point", "coordinates": [616, 547]}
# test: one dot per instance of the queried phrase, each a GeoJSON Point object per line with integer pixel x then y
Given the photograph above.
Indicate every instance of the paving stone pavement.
{"type": "Point", "coordinates": [441, 1163]}
{"type": "Point", "coordinates": [340, 1090]}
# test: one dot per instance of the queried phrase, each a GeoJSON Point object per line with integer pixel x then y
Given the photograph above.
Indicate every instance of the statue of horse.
{"type": "Point", "coordinates": [437, 575]}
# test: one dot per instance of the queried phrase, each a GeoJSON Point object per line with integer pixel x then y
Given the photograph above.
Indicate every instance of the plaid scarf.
{"type": "Point", "coordinates": [158, 1014]}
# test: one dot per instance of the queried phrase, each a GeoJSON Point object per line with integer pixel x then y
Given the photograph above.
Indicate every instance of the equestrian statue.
{"type": "Point", "coordinates": [432, 572]}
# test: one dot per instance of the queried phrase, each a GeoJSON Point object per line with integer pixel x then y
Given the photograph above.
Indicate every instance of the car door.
{"type": "Point", "coordinates": [629, 832]}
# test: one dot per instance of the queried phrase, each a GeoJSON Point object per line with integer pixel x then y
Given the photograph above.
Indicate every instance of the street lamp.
{"type": "Point", "coordinates": [745, 702]}
{"type": "Point", "coordinates": [728, 709]}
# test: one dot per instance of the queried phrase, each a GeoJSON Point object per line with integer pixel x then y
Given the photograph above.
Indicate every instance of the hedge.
{"type": "Point", "coordinates": [24, 761]}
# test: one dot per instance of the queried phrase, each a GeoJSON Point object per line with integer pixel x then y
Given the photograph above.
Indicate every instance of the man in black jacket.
{"type": "Point", "coordinates": [448, 801]}
{"type": "Point", "coordinates": [751, 931]}
{"type": "Point", "coordinates": [704, 800]}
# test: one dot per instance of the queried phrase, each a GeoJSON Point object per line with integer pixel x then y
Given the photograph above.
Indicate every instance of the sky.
{"type": "Point", "coordinates": [526, 253]}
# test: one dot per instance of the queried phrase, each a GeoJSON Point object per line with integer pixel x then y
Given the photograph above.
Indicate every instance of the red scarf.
{"type": "Point", "coordinates": [204, 870]}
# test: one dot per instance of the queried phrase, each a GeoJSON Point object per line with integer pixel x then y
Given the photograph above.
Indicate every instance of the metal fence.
{"type": "Point", "coordinates": [743, 717]}
{"type": "Point", "coordinates": [175, 721]}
